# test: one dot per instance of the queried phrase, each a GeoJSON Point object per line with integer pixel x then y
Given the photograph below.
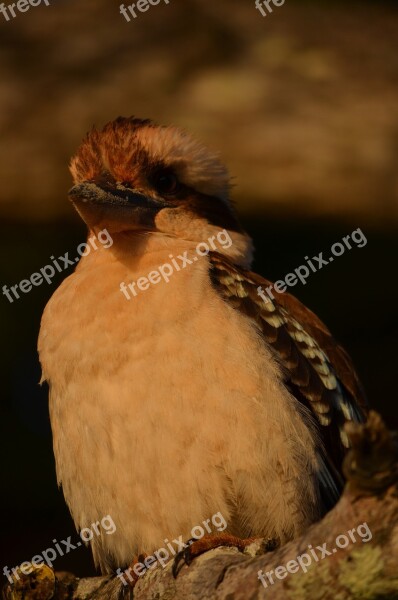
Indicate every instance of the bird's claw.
{"type": "Point", "coordinates": [181, 558]}
{"type": "Point", "coordinates": [195, 547]}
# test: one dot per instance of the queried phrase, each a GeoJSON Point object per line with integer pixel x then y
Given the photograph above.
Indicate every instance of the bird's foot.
{"type": "Point", "coordinates": [135, 570]}
{"type": "Point", "coordinates": [208, 542]}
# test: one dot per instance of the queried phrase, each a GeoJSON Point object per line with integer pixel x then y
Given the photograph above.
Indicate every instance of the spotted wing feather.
{"type": "Point", "coordinates": [317, 370]}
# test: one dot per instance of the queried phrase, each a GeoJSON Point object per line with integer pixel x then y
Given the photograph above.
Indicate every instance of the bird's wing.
{"type": "Point", "coordinates": [318, 371]}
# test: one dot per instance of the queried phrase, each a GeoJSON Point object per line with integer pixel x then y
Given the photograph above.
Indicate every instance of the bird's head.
{"type": "Point", "coordinates": [134, 176]}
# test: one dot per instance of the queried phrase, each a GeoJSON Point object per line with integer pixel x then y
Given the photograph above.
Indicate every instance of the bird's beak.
{"type": "Point", "coordinates": [114, 206]}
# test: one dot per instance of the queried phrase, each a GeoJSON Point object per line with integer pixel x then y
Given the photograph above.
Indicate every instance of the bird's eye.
{"type": "Point", "coordinates": [166, 182]}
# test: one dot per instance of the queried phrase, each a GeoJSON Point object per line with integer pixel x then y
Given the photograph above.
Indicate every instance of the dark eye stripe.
{"type": "Point", "coordinates": [165, 181]}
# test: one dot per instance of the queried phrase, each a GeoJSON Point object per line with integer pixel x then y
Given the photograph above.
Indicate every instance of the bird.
{"type": "Point", "coordinates": [194, 395]}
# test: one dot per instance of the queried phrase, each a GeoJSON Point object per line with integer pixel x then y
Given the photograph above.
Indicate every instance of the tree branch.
{"type": "Point", "coordinates": [365, 522]}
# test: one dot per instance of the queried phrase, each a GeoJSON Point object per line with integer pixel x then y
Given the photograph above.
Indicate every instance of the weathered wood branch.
{"type": "Point", "coordinates": [334, 564]}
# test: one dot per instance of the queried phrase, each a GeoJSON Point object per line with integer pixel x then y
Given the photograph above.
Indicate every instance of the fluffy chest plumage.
{"type": "Point", "coordinates": [168, 408]}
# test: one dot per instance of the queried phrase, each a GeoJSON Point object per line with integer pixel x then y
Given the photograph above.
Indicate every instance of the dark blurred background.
{"type": "Point", "coordinates": [302, 106]}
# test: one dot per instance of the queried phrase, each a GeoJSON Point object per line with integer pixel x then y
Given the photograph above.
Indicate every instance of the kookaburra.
{"type": "Point", "coordinates": [195, 396]}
